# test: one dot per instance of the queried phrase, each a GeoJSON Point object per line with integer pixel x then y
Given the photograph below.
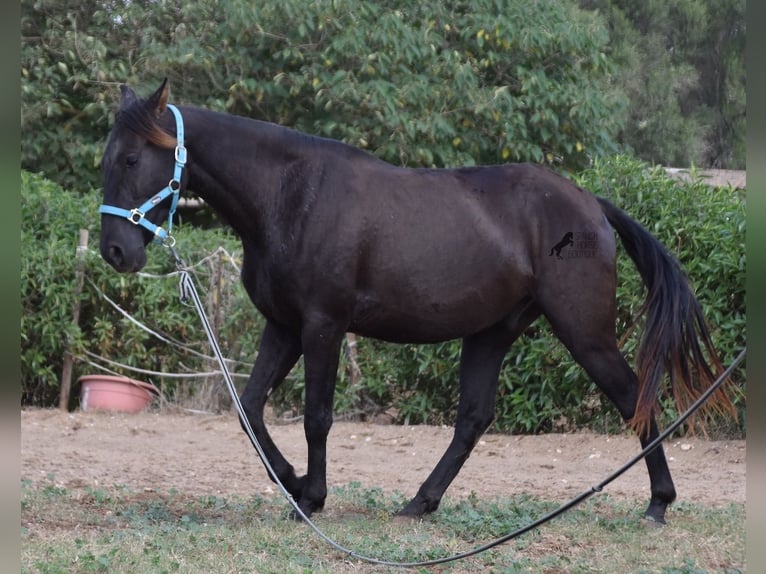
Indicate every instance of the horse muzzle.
{"type": "Point", "coordinates": [123, 260]}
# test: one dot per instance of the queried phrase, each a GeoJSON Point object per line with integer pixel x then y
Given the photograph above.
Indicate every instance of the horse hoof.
{"type": "Point", "coordinates": [308, 511]}
{"type": "Point", "coordinates": [402, 519]}
{"type": "Point", "coordinates": [417, 508]}
{"type": "Point", "coordinates": [652, 522]}
{"type": "Point", "coordinates": [296, 517]}
{"type": "Point", "coordinates": [655, 513]}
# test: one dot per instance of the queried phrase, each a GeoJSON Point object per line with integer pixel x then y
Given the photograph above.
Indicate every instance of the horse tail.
{"type": "Point", "coordinates": [675, 337]}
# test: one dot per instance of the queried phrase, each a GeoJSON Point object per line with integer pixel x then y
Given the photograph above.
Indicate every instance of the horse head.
{"type": "Point", "coordinates": [137, 164]}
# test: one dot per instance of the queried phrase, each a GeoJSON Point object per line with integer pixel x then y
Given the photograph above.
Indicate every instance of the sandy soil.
{"type": "Point", "coordinates": [714, 177]}
{"type": "Point", "coordinates": [206, 454]}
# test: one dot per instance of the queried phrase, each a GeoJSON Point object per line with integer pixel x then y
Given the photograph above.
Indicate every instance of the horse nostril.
{"type": "Point", "coordinates": [116, 256]}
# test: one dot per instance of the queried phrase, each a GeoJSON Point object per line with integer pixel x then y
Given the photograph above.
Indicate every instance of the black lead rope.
{"type": "Point", "coordinates": [189, 291]}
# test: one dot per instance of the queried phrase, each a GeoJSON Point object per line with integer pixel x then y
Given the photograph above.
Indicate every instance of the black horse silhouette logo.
{"type": "Point", "coordinates": [568, 239]}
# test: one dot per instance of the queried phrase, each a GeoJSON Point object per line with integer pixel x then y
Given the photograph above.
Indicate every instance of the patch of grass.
{"type": "Point", "coordinates": [116, 530]}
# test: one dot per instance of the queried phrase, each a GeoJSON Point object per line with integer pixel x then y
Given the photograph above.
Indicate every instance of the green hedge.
{"type": "Point", "coordinates": [541, 388]}
{"type": "Point", "coordinates": [51, 220]}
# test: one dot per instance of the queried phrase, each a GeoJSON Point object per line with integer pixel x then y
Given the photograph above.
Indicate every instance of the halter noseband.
{"type": "Point", "coordinates": [137, 215]}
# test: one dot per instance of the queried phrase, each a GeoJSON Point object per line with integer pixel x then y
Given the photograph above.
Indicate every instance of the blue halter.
{"type": "Point", "coordinates": [137, 215]}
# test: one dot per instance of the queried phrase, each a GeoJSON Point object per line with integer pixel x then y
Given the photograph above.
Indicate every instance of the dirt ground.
{"type": "Point", "coordinates": [714, 177]}
{"type": "Point", "coordinates": [207, 454]}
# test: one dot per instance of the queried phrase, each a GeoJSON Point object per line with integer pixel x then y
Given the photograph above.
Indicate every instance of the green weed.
{"type": "Point", "coordinates": [122, 531]}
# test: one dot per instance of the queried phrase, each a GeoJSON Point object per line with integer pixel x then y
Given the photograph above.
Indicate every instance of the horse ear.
{"type": "Point", "coordinates": [127, 96]}
{"type": "Point", "coordinates": [160, 98]}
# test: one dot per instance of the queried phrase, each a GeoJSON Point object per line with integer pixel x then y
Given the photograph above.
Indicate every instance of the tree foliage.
{"type": "Point", "coordinates": [682, 68]}
{"type": "Point", "coordinates": [424, 84]}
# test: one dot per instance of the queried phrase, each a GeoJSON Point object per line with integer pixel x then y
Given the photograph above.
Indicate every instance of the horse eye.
{"type": "Point", "coordinates": [131, 160]}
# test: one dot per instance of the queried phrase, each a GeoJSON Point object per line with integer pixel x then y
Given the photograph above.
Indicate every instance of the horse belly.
{"type": "Point", "coordinates": [434, 281]}
{"type": "Point", "coordinates": [429, 315]}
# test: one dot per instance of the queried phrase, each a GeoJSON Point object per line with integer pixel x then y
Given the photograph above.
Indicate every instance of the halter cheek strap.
{"type": "Point", "coordinates": [137, 215]}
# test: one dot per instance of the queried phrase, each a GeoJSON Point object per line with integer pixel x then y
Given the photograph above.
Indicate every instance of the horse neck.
{"type": "Point", "coordinates": [239, 167]}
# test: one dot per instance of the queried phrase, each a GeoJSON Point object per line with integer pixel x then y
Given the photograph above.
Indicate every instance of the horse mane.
{"type": "Point", "coordinates": [140, 119]}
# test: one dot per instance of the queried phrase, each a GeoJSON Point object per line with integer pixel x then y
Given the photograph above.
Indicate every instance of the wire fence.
{"type": "Point", "coordinates": [202, 389]}
{"type": "Point", "coordinates": [195, 389]}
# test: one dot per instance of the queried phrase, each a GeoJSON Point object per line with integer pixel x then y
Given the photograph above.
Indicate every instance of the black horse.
{"type": "Point", "coordinates": [336, 240]}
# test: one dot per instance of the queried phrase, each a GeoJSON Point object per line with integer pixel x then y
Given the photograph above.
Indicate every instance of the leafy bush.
{"type": "Point", "coordinates": [433, 83]}
{"type": "Point", "coordinates": [541, 388]}
{"type": "Point", "coordinates": [704, 227]}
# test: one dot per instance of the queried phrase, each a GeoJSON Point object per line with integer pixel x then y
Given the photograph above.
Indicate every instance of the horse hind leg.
{"type": "Point", "coordinates": [614, 376]}
{"type": "Point", "coordinates": [593, 345]}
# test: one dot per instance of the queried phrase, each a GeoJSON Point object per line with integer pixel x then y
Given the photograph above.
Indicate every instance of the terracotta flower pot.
{"type": "Point", "coordinates": [111, 393]}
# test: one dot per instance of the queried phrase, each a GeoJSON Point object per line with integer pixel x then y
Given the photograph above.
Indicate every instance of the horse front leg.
{"type": "Point", "coordinates": [278, 352]}
{"type": "Point", "coordinates": [321, 350]}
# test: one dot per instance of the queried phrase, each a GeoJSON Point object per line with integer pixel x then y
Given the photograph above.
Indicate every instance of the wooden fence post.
{"type": "Point", "coordinates": [351, 352]}
{"type": "Point", "coordinates": [66, 371]}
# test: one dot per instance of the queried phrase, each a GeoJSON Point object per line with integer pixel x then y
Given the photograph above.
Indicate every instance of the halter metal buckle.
{"type": "Point", "coordinates": [180, 154]}
{"type": "Point", "coordinates": [135, 216]}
